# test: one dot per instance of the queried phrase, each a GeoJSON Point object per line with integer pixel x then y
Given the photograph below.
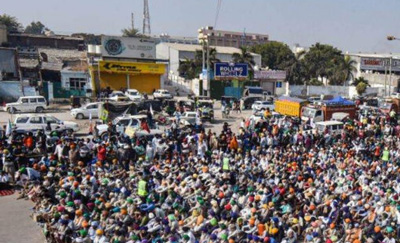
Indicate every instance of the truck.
{"type": "Point", "coordinates": [325, 111]}
{"type": "Point", "coordinates": [290, 106]}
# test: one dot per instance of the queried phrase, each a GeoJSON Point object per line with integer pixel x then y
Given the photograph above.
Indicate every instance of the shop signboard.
{"type": "Point", "coordinates": [379, 64]}
{"type": "Point", "coordinates": [229, 71]}
{"type": "Point", "coordinates": [131, 67]}
{"type": "Point", "coordinates": [128, 47]}
{"type": "Point", "coordinates": [270, 74]}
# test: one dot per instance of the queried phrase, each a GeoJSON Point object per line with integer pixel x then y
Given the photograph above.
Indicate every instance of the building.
{"type": "Point", "coordinates": [165, 38]}
{"type": "Point", "coordinates": [231, 38]}
{"type": "Point", "coordinates": [273, 81]}
{"type": "Point", "coordinates": [53, 41]}
{"type": "Point", "coordinates": [9, 69]}
{"type": "Point", "coordinates": [126, 63]}
{"type": "Point", "coordinates": [380, 70]}
{"type": "Point", "coordinates": [175, 54]}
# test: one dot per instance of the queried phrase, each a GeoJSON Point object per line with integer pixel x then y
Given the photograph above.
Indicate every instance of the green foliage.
{"type": "Point", "coordinates": [244, 57]}
{"type": "Point", "coordinates": [191, 69]}
{"type": "Point", "coordinates": [359, 80]}
{"type": "Point", "coordinates": [131, 32]}
{"type": "Point", "coordinates": [10, 22]}
{"type": "Point", "coordinates": [361, 87]}
{"type": "Point", "coordinates": [275, 55]}
{"type": "Point", "coordinates": [315, 82]}
{"type": "Point", "coordinates": [36, 28]}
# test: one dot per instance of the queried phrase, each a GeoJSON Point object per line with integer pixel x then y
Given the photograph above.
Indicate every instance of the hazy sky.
{"type": "Point", "coordinates": [351, 25]}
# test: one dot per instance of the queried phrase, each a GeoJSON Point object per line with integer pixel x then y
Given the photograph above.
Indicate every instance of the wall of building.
{"type": "Point", "coordinates": [25, 40]}
{"type": "Point", "coordinates": [11, 90]}
{"type": "Point", "coordinates": [8, 63]}
{"type": "Point", "coordinates": [66, 75]}
{"type": "Point", "coordinates": [344, 91]}
{"type": "Point", "coordinates": [379, 79]}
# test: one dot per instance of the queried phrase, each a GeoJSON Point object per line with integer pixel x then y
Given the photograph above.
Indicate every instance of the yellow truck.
{"type": "Point", "coordinates": [290, 106]}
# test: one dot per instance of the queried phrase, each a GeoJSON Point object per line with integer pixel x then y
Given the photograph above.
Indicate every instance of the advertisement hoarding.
{"type": "Point", "coordinates": [379, 64]}
{"type": "Point", "coordinates": [128, 47]}
{"type": "Point", "coordinates": [229, 71]}
{"type": "Point", "coordinates": [270, 74]}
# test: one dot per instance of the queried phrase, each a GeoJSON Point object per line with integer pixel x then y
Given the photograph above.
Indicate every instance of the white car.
{"type": "Point", "coordinates": [90, 109]}
{"type": "Point", "coordinates": [33, 122]}
{"type": "Point", "coordinates": [263, 105]}
{"type": "Point", "coordinates": [121, 123]}
{"type": "Point", "coordinates": [118, 96]}
{"type": "Point", "coordinates": [162, 94]}
{"type": "Point", "coordinates": [27, 104]}
{"type": "Point", "coordinates": [133, 95]}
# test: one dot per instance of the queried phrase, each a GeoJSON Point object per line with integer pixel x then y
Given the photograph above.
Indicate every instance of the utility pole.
{"type": "Point", "coordinates": [390, 74]}
{"type": "Point", "coordinates": [146, 18]}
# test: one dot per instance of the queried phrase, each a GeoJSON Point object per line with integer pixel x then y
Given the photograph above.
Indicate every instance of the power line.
{"type": "Point", "coordinates": [219, 4]}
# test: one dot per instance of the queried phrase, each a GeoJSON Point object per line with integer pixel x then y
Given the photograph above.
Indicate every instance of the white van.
{"type": "Point", "coordinates": [334, 127]}
{"type": "Point", "coordinates": [27, 104]}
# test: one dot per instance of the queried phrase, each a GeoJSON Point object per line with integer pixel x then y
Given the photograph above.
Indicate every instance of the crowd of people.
{"type": "Point", "coordinates": [269, 181]}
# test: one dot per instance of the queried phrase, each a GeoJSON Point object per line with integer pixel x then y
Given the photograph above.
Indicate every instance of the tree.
{"type": "Point", "coordinates": [321, 59]}
{"type": "Point", "coordinates": [348, 67]}
{"type": "Point", "coordinates": [189, 69]}
{"type": "Point", "coordinates": [296, 72]}
{"type": "Point", "coordinates": [10, 22]}
{"type": "Point", "coordinates": [36, 28]}
{"type": "Point", "coordinates": [131, 32]}
{"type": "Point", "coordinates": [315, 82]}
{"type": "Point", "coordinates": [360, 80]}
{"type": "Point", "coordinates": [192, 68]}
{"type": "Point", "coordinates": [275, 55]}
{"type": "Point", "coordinates": [244, 57]}
{"type": "Point", "coordinates": [361, 88]}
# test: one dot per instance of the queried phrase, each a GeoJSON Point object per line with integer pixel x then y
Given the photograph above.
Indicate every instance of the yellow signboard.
{"type": "Point", "coordinates": [131, 67]}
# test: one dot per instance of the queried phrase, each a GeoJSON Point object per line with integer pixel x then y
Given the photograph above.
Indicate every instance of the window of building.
{"type": "Point", "coordinates": [77, 83]}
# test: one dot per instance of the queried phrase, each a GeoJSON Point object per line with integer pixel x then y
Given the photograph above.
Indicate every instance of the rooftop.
{"type": "Point", "coordinates": [60, 37]}
{"type": "Point", "coordinates": [376, 55]}
{"type": "Point", "coordinates": [193, 48]}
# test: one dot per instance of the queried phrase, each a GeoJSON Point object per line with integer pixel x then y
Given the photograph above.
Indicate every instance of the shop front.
{"type": "Point", "coordinates": [145, 77]}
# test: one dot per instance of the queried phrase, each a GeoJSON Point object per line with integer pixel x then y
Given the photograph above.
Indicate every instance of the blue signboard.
{"type": "Point", "coordinates": [224, 70]}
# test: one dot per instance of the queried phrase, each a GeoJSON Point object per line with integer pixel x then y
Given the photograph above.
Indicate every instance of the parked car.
{"type": "Point", "coordinates": [248, 101]}
{"type": "Point", "coordinates": [34, 122]}
{"type": "Point", "coordinates": [162, 94]}
{"type": "Point", "coordinates": [133, 95]}
{"type": "Point", "coordinates": [263, 105]}
{"type": "Point", "coordinates": [27, 104]}
{"type": "Point", "coordinates": [87, 111]}
{"type": "Point", "coordinates": [121, 123]}
{"type": "Point", "coordinates": [118, 96]}
{"type": "Point", "coordinates": [334, 127]}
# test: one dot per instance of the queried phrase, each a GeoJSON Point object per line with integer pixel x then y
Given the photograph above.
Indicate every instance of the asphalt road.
{"type": "Point", "coordinates": [15, 224]}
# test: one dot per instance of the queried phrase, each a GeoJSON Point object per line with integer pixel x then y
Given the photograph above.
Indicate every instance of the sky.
{"type": "Point", "coordinates": [350, 25]}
